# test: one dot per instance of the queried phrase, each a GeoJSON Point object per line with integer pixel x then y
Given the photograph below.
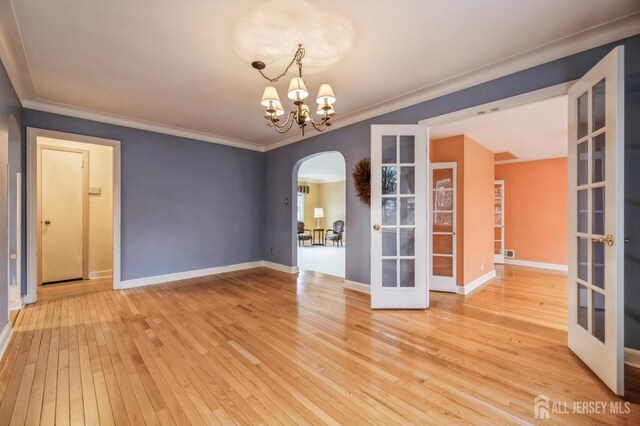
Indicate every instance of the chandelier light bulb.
{"type": "Point", "coordinates": [297, 89]}
{"type": "Point", "coordinates": [305, 112]}
{"type": "Point", "coordinates": [325, 95]}
{"type": "Point", "coordinates": [270, 97]}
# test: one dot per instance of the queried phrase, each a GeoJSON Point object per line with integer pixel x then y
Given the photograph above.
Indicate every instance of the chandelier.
{"type": "Point", "coordinates": [301, 114]}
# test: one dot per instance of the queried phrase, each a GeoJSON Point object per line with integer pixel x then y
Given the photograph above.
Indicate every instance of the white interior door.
{"type": "Point", "coordinates": [596, 221]}
{"type": "Point", "coordinates": [399, 206]}
{"type": "Point", "coordinates": [443, 220]}
{"type": "Point", "coordinates": [498, 221]}
{"type": "Point", "coordinates": [62, 199]}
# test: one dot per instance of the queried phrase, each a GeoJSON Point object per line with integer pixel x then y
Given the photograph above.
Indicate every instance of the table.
{"type": "Point", "coordinates": [319, 240]}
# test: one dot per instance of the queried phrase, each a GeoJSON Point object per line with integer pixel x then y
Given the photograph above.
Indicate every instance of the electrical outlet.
{"type": "Point", "coordinates": [482, 266]}
{"type": "Point", "coordinates": [272, 251]}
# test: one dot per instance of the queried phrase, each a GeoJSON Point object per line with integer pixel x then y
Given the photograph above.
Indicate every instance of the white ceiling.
{"type": "Point", "coordinates": [185, 65]}
{"type": "Point", "coordinates": [532, 132]}
{"type": "Point", "coordinates": [323, 168]}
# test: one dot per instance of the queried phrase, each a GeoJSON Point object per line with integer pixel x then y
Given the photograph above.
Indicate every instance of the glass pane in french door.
{"type": "Point", "coordinates": [443, 227]}
{"type": "Point", "coordinates": [498, 218]}
{"type": "Point", "coordinates": [590, 193]}
{"type": "Point", "coordinates": [398, 211]}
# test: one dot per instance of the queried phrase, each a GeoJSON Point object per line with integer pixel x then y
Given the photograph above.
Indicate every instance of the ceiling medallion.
{"type": "Point", "coordinates": [301, 115]}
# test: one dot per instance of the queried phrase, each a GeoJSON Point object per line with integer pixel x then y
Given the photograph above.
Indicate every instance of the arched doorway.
{"type": "Point", "coordinates": [320, 214]}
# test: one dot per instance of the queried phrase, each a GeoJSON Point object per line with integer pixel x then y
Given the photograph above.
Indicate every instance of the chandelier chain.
{"type": "Point", "coordinates": [297, 58]}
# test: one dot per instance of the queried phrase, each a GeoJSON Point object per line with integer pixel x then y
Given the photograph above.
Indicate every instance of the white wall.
{"type": "Point", "coordinates": [100, 206]}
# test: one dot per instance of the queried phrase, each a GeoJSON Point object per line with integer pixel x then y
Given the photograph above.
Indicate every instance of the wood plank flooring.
{"type": "Point", "coordinates": [263, 347]}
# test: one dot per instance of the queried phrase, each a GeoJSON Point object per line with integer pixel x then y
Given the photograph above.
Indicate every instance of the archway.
{"type": "Point", "coordinates": [319, 213]}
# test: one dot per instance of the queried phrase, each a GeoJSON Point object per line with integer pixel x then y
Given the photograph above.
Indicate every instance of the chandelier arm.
{"type": "Point", "coordinates": [321, 122]}
{"type": "Point", "coordinates": [321, 127]}
{"type": "Point", "coordinates": [286, 126]}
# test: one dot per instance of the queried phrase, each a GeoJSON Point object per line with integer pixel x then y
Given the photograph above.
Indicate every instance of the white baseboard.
{"type": "Point", "coordinates": [159, 279]}
{"type": "Point", "coordinates": [632, 357]}
{"type": "Point", "coordinates": [16, 304]}
{"type": "Point", "coordinates": [354, 285]}
{"type": "Point", "coordinates": [280, 267]}
{"type": "Point", "coordinates": [100, 274]}
{"type": "Point", "coordinates": [541, 265]}
{"type": "Point", "coordinates": [473, 285]}
{"type": "Point", "coordinates": [5, 338]}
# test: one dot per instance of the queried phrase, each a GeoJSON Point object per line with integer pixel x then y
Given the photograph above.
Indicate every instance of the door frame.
{"type": "Point", "coordinates": [31, 203]}
{"type": "Point", "coordinates": [436, 284]}
{"type": "Point", "coordinates": [85, 205]}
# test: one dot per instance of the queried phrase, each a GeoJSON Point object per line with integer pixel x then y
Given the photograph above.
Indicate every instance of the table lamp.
{"type": "Point", "coordinates": [318, 213]}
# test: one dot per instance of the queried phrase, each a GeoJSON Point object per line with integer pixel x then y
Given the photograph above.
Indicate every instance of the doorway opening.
{"type": "Point", "coordinates": [73, 205]}
{"type": "Point", "coordinates": [320, 214]}
{"type": "Point", "coordinates": [509, 173]}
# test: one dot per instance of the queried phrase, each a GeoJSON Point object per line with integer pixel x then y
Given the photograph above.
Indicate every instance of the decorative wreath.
{"type": "Point", "coordinates": [362, 180]}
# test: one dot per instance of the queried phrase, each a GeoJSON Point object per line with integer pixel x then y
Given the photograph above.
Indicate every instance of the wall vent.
{"type": "Point", "coordinates": [509, 254]}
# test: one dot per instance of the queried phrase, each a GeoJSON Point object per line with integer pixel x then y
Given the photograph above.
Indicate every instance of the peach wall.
{"type": "Point", "coordinates": [536, 209]}
{"type": "Point", "coordinates": [478, 210]}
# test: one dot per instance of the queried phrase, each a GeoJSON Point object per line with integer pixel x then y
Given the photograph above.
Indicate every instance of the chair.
{"type": "Point", "coordinates": [302, 236]}
{"type": "Point", "coordinates": [335, 235]}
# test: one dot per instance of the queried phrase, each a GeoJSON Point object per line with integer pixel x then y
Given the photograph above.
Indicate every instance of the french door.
{"type": "Point", "coordinates": [443, 217]}
{"type": "Point", "coordinates": [498, 221]}
{"type": "Point", "coordinates": [596, 219]}
{"type": "Point", "coordinates": [399, 206]}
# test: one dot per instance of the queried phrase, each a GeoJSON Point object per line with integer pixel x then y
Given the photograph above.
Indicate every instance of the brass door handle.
{"type": "Point", "coordinates": [47, 222]}
{"type": "Point", "coordinates": [376, 227]}
{"type": "Point", "coordinates": [609, 240]}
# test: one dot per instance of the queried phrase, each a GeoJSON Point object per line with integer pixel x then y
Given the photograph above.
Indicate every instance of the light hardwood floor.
{"type": "Point", "coordinates": [261, 346]}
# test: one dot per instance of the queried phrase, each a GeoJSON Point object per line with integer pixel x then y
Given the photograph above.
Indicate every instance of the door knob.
{"type": "Point", "coordinates": [609, 240]}
{"type": "Point", "coordinates": [47, 222]}
{"type": "Point", "coordinates": [376, 227]}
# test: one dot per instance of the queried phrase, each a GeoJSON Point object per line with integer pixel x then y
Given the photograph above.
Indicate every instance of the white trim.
{"type": "Point", "coordinates": [501, 104]}
{"type": "Point", "coordinates": [15, 305]}
{"type": "Point", "coordinates": [280, 267]}
{"type": "Point", "coordinates": [354, 285]}
{"type": "Point", "coordinates": [473, 285]}
{"type": "Point", "coordinates": [541, 265]}
{"type": "Point", "coordinates": [5, 338]}
{"type": "Point", "coordinates": [608, 32]}
{"type": "Point", "coordinates": [15, 297]}
{"type": "Point", "coordinates": [32, 251]}
{"type": "Point", "coordinates": [71, 111]}
{"type": "Point", "coordinates": [159, 279]}
{"type": "Point", "coordinates": [438, 282]}
{"type": "Point", "coordinates": [100, 274]}
{"type": "Point", "coordinates": [632, 357]}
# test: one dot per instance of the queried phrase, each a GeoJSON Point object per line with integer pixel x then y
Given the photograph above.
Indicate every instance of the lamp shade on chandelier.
{"type": "Point", "coordinates": [301, 113]}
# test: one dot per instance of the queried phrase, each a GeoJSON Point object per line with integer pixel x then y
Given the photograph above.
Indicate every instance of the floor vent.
{"type": "Point", "coordinates": [510, 254]}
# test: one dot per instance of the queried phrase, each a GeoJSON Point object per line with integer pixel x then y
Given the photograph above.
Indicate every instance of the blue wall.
{"type": "Point", "coordinates": [9, 154]}
{"type": "Point", "coordinates": [353, 142]}
{"type": "Point", "coordinates": [186, 204]}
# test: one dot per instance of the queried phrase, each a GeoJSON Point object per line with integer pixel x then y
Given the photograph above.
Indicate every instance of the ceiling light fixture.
{"type": "Point", "coordinates": [301, 114]}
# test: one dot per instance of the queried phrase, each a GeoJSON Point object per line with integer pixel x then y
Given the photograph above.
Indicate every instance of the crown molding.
{"type": "Point", "coordinates": [608, 32]}
{"type": "Point", "coordinates": [12, 54]}
{"type": "Point", "coordinates": [138, 124]}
